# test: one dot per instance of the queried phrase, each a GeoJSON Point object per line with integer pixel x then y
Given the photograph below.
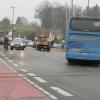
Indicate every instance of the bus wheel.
{"type": "Point", "coordinates": [70, 61]}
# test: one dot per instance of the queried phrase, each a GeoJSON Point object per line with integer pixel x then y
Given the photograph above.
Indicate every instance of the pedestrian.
{"type": "Point", "coordinates": [6, 42]}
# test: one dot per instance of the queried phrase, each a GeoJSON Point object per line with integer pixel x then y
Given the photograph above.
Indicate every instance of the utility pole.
{"type": "Point", "coordinates": [72, 7]}
{"type": "Point", "coordinates": [88, 4]}
{"type": "Point", "coordinates": [88, 7]}
{"type": "Point", "coordinates": [66, 13]}
{"type": "Point", "coordinates": [13, 8]}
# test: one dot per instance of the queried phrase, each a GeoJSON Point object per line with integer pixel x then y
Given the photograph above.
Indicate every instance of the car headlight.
{"type": "Point", "coordinates": [22, 44]}
{"type": "Point", "coordinates": [12, 43]}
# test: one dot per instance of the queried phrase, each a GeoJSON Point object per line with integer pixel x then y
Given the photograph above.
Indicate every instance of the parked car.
{"type": "Point", "coordinates": [31, 43]}
{"type": "Point", "coordinates": [1, 40]}
{"type": "Point", "coordinates": [17, 43]}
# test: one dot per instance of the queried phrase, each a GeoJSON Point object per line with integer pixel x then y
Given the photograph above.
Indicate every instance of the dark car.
{"type": "Point", "coordinates": [17, 43]}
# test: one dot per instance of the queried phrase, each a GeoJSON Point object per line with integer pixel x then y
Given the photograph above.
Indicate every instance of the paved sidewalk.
{"type": "Point", "coordinates": [13, 87]}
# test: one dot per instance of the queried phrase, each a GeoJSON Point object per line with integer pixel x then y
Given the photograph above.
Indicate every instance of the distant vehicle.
{"type": "Point", "coordinates": [31, 43]}
{"type": "Point", "coordinates": [83, 39]}
{"type": "Point", "coordinates": [17, 43]}
{"type": "Point", "coordinates": [55, 45]}
{"type": "Point", "coordinates": [42, 43]}
{"type": "Point", "coordinates": [25, 43]}
{"type": "Point", "coordinates": [1, 40]}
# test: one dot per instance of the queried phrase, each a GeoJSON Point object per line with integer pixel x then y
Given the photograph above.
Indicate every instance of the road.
{"type": "Point", "coordinates": [50, 71]}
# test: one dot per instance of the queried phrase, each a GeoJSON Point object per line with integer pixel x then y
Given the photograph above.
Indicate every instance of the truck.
{"type": "Point", "coordinates": [42, 39]}
{"type": "Point", "coordinates": [42, 43]}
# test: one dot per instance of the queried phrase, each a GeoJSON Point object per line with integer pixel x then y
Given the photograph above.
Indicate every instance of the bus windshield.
{"type": "Point", "coordinates": [85, 24]}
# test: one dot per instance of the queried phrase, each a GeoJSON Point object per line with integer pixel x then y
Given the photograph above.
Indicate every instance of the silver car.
{"type": "Point", "coordinates": [17, 43]}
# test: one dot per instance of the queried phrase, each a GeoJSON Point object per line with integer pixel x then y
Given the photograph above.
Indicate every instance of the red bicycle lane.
{"type": "Point", "coordinates": [13, 87]}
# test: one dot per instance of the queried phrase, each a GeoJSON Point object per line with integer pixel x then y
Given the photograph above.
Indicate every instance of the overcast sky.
{"type": "Point", "coordinates": [26, 8]}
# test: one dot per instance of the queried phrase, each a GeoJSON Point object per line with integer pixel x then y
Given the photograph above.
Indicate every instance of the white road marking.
{"type": "Point", "coordinates": [46, 92]}
{"type": "Point", "coordinates": [26, 79]}
{"type": "Point", "coordinates": [15, 64]}
{"type": "Point", "coordinates": [23, 70]}
{"type": "Point", "coordinates": [41, 89]}
{"type": "Point", "coordinates": [10, 61]}
{"type": "Point", "coordinates": [40, 79]}
{"type": "Point", "coordinates": [91, 69]}
{"type": "Point", "coordinates": [21, 75]}
{"type": "Point", "coordinates": [31, 74]}
{"type": "Point", "coordinates": [52, 97]}
{"type": "Point", "coordinates": [61, 91]}
{"type": "Point", "coordinates": [32, 83]}
{"type": "Point", "coordinates": [8, 65]}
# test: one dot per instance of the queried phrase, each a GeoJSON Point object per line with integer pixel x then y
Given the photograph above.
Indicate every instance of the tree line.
{"type": "Point", "coordinates": [51, 15]}
{"type": "Point", "coordinates": [54, 15]}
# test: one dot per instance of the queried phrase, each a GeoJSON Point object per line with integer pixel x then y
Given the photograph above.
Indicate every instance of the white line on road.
{"type": "Point", "coordinates": [23, 70]}
{"type": "Point", "coordinates": [10, 61]}
{"type": "Point", "coordinates": [31, 74]}
{"type": "Point", "coordinates": [61, 91]}
{"type": "Point", "coordinates": [8, 65]}
{"type": "Point", "coordinates": [91, 69]}
{"type": "Point", "coordinates": [53, 97]}
{"type": "Point", "coordinates": [46, 92]}
{"type": "Point", "coordinates": [21, 75]}
{"type": "Point", "coordinates": [41, 89]}
{"type": "Point", "coordinates": [15, 64]}
{"type": "Point", "coordinates": [40, 79]}
{"type": "Point", "coordinates": [27, 79]}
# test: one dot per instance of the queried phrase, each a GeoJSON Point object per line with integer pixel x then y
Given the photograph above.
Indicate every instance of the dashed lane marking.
{"type": "Point", "coordinates": [10, 61]}
{"type": "Point", "coordinates": [46, 92]}
{"type": "Point", "coordinates": [31, 74]}
{"type": "Point", "coordinates": [41, 89]}
{"type": "Point", "coordinates": [61, 91]}
{"type": "Point", "coordinates": [23, 70]}
{"type": "Point", "coordinates": [91, 69]}
{"type": "Point", "coordinates": [21, 75]}
{"type": "Point", "coordinates": [40, 79]}
{"type": "Point", "coordinates": [53, 97]}
{"type": "Point", "coordinates": [8, 65]}
{"type": "Point", "coordinates": [15, 64]}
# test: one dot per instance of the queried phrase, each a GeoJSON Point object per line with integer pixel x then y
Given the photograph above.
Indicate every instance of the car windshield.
{"type": "Point", "coordinates": [17, 40]}
{"type": "Point", "coordinates": [83, 24]}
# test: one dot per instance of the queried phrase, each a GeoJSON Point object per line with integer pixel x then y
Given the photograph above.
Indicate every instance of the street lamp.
{"type": "Point", "coordinates": [13, 8]}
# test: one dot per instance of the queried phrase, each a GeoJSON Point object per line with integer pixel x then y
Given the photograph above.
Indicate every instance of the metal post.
{"type": "Point", "coordinates": [66, 13]}
{"type": "Point", "coordinates": [88, 8]}
{"type": "Point", "coordinates": [88, 4]}
{"type": "Point", "coordinates": [72, 8]}
{"type": "Point", "coordinates": [12, 19]}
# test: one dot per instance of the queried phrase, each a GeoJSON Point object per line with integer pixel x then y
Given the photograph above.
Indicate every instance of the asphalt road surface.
{"type": "Point", "coordinates": [50, 71]}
